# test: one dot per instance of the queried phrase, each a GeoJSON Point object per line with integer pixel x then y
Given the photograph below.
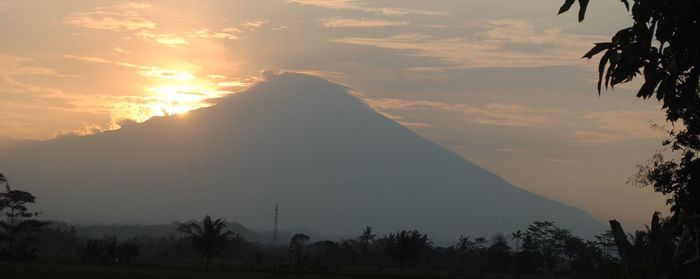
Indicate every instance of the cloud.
{"type": "Point", "coordinates": [184, 38]}
{"type": "Point", "coordinates": [233, 83]}
{"type": "Point", "coordinates": [29, 107]}
{"type": "Point", "coordinates": [616, 126]}
{"type": "Point", "coordinates": [360, 23]}
{"type": "Point", "coordinates": [364, 7]}
{"type": "Point", "coordinates": [252, 25]}
{"type": "Point", "coordinates": [167, 39]}
{"type": "Point", "coordinates": [121, 50]}
{"type": "Point", "coordinates": [578, 127]}
{"type": "Point", "coordinates": [511, 115]}
{"type": "Point", "coordinates": [560, 161]}
{"type": "Point", "coordinates": [15, 65]}
{"type": "Point", "coordinates": [230, 33]}
{"type": "Point", "coordinates": [88, 59]}
{"type": "Point", "coordinates": [493, 114]}
{"type": "Point", "coordinates": [510, 150]}
{"type": "Point", "coordinates": [146, 71]}
{"type": "Point", "coordinates": [123, 16]}
{"type": "Point", "coordinates": [167, 74]}
{"type": "Point", "coordinates": [510, 43]}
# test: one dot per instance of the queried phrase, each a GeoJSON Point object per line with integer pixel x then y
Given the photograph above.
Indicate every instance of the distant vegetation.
{"type": "Point", "coordinates": [540, 249]}
{"type": "Point", "coordinates": [18, 228]}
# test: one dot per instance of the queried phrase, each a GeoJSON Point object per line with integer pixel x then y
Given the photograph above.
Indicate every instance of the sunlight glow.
{"type": "Point", "coordinates": [178, 99]}
{"type": "Point", "coordinates": [171, 92]}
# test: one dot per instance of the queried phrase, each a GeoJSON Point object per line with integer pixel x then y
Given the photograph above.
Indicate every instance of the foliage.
{"type": "Point", "coordinates": [296, 247]}
{"type": "Point", "coordinates": [108, 250]}
{"type": "Point", "coordinates": [18, 226]}
{"type": "Point", "coordinates": [470, 256]}
{"type": "Point", "coordinates": [662, 45]}
{"type": "Point", "coordinates": [209, 237]}
{"type": "Point", "coordinates": [406, 244]}
{"type": "Point", "coordinates": [650, 254]}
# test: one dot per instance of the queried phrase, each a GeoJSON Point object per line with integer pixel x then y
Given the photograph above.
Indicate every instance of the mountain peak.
{"type": "Point", "coordinates": [297, 87]}
{"type": "Point", "coordinates": [333, 165]}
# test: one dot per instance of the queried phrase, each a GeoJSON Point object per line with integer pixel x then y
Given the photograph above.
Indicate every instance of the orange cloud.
{"type": "Point", "coordinates": [123, 16]}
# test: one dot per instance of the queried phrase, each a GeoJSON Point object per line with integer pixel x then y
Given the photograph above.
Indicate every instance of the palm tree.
{"type": "Point", "coordinates": [406, 244]}
{"type": "Point", "coordinates": [517, 236]}
{"type": "Point", "coordinates": [367, 236]}
{"type": "Point", "coordinates": [209, 238]}
{"type": "Point", "coordinates": [365, 239]}
{"type": "Point", "coordinates": [296, 246]}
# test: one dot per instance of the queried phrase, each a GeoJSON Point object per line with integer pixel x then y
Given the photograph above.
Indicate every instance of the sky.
{"type": "Point", "coordinates": [501, 83]}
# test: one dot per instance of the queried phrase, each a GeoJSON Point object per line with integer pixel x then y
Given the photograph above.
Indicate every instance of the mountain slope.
{"type": "Point", "coordinates": [332, 163]}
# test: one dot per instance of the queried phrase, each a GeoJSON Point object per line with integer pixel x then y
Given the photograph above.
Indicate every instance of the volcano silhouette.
{"type": "Point", "coordinates": [332, 164]}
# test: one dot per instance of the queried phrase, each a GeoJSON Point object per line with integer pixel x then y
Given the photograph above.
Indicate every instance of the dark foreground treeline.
{"type": "Point", "coordinates": [540, 249]}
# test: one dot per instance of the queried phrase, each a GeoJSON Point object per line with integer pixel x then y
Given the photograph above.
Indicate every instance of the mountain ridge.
{"type": "Point", "coordinates": [333, 164]}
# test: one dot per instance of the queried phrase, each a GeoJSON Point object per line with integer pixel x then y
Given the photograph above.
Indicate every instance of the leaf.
{"type": "Point", "coordinates": [601, 68]}
{"type": "Point", "coordinates": [627, 4]}
{"type": "Point", "coordinates": [624, 247]}
{"type": "Point", "coordinates": [647, 88]}
{"type": "Point", "coordinates": [655, 224]}
{"type": "Point", "coordinates": [597, 49]}
{"type": "Point", "coordinates": [583, 5]}
{"type": "Point", "coordinates": [611, 69]}
{"type": "Point", "coordinates": [567, 5]}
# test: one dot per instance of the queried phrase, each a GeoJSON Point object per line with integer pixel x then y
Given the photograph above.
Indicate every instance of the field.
{"type": "Point", "coordinates": [68, 270]}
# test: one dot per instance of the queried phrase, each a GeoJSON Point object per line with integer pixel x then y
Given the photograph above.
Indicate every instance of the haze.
{"type": "Point", "coordinates": [498, 82]}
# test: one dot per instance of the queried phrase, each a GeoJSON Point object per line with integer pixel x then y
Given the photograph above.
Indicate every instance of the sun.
{"type": "Point", "coordinates": [173, 92]}
{"type": "Point", "coordinates": [180, 98]}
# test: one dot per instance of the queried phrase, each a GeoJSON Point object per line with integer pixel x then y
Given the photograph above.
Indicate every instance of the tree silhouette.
{"type": "Point", "coordinates": [209, 237]}
{"type": "Point", "coordinates": [662, 45]}
{"type": "Point", "coordinates": [498, 254]}
{"type": "Point", "coordinates": [406, 244]}
{"type": "Point", "coordinates": [365, 240]}
{"type": "Point", "coordinates": [18, 223]}
{"type": "Point", "coordinates": [296, 247]}
{"type": "Point", "coordinates": [517, 236]}
{"type": "Point", "coordinates": [606, 243]}
{"type": "Point", "coordinates": [367, 236]}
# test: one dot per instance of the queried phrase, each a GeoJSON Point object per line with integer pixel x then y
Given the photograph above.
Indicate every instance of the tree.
{"type": "Point", "coordinates": [662, 45]}
{"type": "Point", "coordinates": [296, 247]}
{"type": "Point", "coordinates": [18, 223]}
{"type": "Point", "coordinates": [367, 236]}
{"type": "Point", "coordinates": [406, 244]}
{"type": "Point", "coordinates": [365, 240]}
{"type": "Point", "coordinates": [517, 236]}
{"type": "Point", "coordinates": [606, 243]}
{"type": "Point", "coordinates": [545, 242]}
{"type": "Point", "coordinates": [466, 248]}
{"type": "Point", "coordinates": [209, 237]}
{"type": "Point", "coordinates": [3, 204]}
{"type": "Point", "coordinates": [498, 255]}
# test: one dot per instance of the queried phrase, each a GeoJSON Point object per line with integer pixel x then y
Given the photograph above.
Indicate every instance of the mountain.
{"type": "Point", "coordinates": [7, 143]}
{"type": "Point", "coordinates": [332, 163]}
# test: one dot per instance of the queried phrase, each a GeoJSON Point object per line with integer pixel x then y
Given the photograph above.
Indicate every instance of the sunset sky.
{"type": "Point", "coordinates": [499, 82]}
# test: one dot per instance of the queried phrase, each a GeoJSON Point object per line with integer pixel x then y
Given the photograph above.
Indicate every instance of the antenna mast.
{"type": "Point", "coordinates": [274, 230]}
